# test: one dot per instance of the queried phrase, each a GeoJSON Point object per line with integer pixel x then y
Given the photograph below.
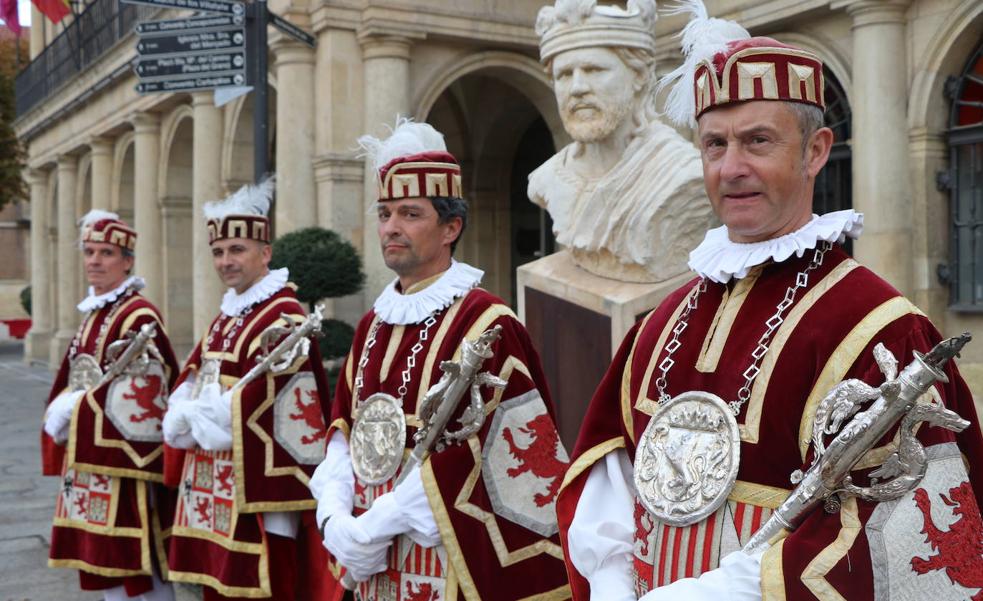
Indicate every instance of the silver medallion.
{"type": "Point", "coordinates": [208, 374]}
{"type": "Point", "coordinates": [84, 372]}
{"type": "Point", "coordinates": [378, 438]}
{"type": "Point", "coordinates": [687, 458]}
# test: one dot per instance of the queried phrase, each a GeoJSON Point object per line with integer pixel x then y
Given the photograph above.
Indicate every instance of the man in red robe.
{"type": "Point", "coordinates": [476, 520]}
{"type": "Point", "coordinates": [777, 316]}
{"type": "Point", "coordinates": [243, 520]}
{"type": "Point", "coordinates": [103, 435]}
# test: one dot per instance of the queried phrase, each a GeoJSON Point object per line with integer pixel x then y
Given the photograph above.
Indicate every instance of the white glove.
{"type": "Point", "coordinates": [211, 419]}
{"type": "Point", "coordinates": [333, 483]}
{"type": "Point", "coordinates": [352, 547]}
{"type": "Point", "coordinates": [177, 423]}
{"type": "Point", "coordinates": [405, 510]}
{"type": "Point", "coordinates": [58, 415]}
{"type": "Point", "coordinates": [737, 579]}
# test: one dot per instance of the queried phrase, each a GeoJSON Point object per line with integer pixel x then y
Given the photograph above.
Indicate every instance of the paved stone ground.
{"type": "Point", "coordinates": [27, 499]}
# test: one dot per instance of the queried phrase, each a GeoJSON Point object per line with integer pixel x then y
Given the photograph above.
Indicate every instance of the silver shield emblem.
{"type": "Point", "coordinates": [687, 458]}
{"type": "Point", "coordinates": [378, 438]}
{"type": "Point", "coordinates": [84, 372]}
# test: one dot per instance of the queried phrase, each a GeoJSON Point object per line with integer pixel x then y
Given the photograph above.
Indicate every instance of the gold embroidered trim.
{"type": "Point", "coordinates": [394, 339]}
{"type": "Point", "coordinates": [750, 429]}
{"type": "Point", "coordinates": [773, 573]}
{"type": "Point", "coordinates": [589, 458]}
{"type": "Point", "coordinates": [758, 494]}
{"type": "Point", "coordinates": [626, 418]}
{"type": "Point", "coordinates": [845, 356]}
{"type": "Point", "coordinates": [645, 404]}
{"type": "Point", "coordinates": [438, 340]}
{"type": "Point", "coordinates": [723, 321]}
{"type": "Point", "coordinates": [814, 575]}
{"type": "Point", "coordinates": [119, 313]}
{"type": "Point", "coordinates": [245, 334]}
{"type": "Point", "coordinates": [279, 323]}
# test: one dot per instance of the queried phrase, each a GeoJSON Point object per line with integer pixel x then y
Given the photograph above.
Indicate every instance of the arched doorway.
{"type": "Point", "coordinates": [834, 184]}
{"type": "Point", "coordinates": [124, 167]}
{"type": "Point", "coordinates": [499, 134]}
{"type": "Point", "coordinates": [175, 194]}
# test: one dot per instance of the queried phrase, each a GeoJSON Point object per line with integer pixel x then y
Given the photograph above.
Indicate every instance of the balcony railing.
{"type": "Point", "coordinates": [94, 31]}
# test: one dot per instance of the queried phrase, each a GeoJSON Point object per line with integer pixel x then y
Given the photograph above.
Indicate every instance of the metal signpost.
{"type": "Point", "coordinates": [224, 46]}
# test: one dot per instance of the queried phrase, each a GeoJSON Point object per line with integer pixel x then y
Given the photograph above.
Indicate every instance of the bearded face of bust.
{"type": "Point", "coordinates": [595, 92]}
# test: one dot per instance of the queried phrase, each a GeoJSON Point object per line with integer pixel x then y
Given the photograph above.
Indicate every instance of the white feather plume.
{"type": "Point", "coordinates": [96, 215]}
{"type": "Point", "coordinates": [408, 137]}
{"type": "Point", "coordinates": [248, 200]}
{"type": "Point", "coordinates": [702, 38]}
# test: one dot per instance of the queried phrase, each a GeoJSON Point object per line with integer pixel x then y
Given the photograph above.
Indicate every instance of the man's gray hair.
{"type": "Point", "coordinates": [810, 119]}
{"type": "Point", "coordinates": [449, 207]}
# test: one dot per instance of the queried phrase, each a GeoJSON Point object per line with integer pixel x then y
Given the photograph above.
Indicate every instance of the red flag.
{"type": "Point", "coordinates": [8, 12]}
{"type": "Point", "coordinates": [55, 10]}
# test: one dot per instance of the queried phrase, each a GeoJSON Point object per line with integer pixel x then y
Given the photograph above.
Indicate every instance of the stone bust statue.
{"type": "Point", "coordinates": [626, 197]}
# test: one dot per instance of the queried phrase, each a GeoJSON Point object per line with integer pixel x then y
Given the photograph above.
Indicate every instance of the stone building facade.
{"type": "Point", "coordinates": [471, 68]}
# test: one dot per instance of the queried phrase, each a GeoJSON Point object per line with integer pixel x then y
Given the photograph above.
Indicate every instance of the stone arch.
{"type": "Point", "coordinates": [486, 105]}
{"type": "Point", "coordinates": [831, 56]}
{"type": "Point", "coordinates": [945, 56]}
{"type": "Point", "coordinates": [121, 196]}
{"type": "Point", "coordinates": [523, 73]}
{"type": "Point", "coordinates": [175, 194]}
{"type": "Point", "coordinates": [237, 143]}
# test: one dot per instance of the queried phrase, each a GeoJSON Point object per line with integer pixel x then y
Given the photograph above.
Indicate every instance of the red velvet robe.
{"type": "Point", "coordinates": [827, 336]}
{"type": "Point", "coordinates": [105, 523]}
{"type": "Point", "coordinates": [493, 496]}
{"type": "Point", "coordinates": [278, 431]}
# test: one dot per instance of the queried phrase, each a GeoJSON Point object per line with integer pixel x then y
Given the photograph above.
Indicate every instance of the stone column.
{"type": "Point", "coordinates": [69, 264]}
{"type": "Point", "coordinates": [206, 186]}
{"type": "Point", "coordinates": [102, 172]}
{"type": "Point", "coordinates": [387, 94]}
{"type": "Point", "coordinates": [881, 183]}
{"type": "Point", "coordinates": [146, 209]}
{"type": "Point", "coordinates": [39, 338]}
{"type": "Point", "coordinates": [37, 32]}
{"type": "Point", "coordinates": [296, 202]}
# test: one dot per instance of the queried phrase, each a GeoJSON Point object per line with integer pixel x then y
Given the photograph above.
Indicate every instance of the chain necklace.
{"type": "Point", "coordinates": [773, 323]}
{"type": "Point", "coordinates": [410, 361]}
{"type": "Point", "coordinates": [240, 319]}
{"type": "Point", "coordinates": [73, 349]}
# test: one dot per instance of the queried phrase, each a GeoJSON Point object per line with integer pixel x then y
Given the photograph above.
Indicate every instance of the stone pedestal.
{"type": "Point", "coordinates": [577, 320]}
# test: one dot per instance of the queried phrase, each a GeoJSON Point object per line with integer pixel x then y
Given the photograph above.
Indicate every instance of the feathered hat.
{"type": "Point", "coordinates": [412, 162]}
{"type": "Point", "coordinates": [103, 226]}
{"type": "Point", "coordinates": [724, 64]}
{"type": "Point", "coordinates": [241, 215]}
{"type": "Point", "coordinates": [571, 24]}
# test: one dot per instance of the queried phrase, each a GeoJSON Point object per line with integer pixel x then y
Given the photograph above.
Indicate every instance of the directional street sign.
{"type": "Point", "coordinates": [291, 30]}
{"type": "Point", "coordinates": [234, 39]}
{"type": "Point", "coordinates": [192, 25]}
{"type": "Point", "coordinates": [183, 65]}
{"type": "Point", "coordinates": [190, 84]}
{"type": "Point", "coordinates": [211, 6]}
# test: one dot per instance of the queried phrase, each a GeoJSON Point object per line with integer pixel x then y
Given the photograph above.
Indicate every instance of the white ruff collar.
{"type": "Point", "coordinates": [719, 259]}
{"type": "Point", "coordinates": [93, 302]}
{"type": "Point", "coordinates": [234, 303]}
{"type": "Point", "coordinates": [399, 309]}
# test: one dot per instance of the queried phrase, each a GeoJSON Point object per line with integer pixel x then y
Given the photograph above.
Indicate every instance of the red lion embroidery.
{"type": "Point", "coordinates": [960, 549]}
{"type": "Point", "coordinates": [311, 414]}
{"type": "Point", "coordinates": [82, 502]}
{"type": "Point", "coordinates": [100, 481]}
{"type": "Point", "coordinates": [424, 592]}
{"type": "Point", "coordinates": [145, 396]}
{"type": "Point", "coordinates": [224, 477]}
{"type": "Point", "coordinates": [203, 509]}
{"type": "Point", "coordinates": [642, 531]}
{"type": "Point", "coordinates": [539, 457]}
{"type": "Point", "coordinates": [360, 492]}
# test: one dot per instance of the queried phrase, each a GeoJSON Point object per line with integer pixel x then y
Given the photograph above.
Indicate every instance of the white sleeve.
{"type": "Point", "coordinates": [737, 579]}
{"type": "Point", "coordinates": [333, 482]}
{"type": "Point", "coordinates": [405, 510]}
{"type": "Point", "coordinates": [601, 535]}
{"type": "Point", "coordinates": [211, 418]}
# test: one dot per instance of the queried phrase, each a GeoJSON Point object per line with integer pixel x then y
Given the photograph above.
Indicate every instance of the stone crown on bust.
{"type": "Point", "coordinates": [571, 24]}
{"type": "Point", "coordinates": [103, 226]}
{"type": "Point", "coordinates": [241, 215]}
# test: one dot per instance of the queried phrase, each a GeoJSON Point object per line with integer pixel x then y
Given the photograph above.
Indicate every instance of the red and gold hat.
{"type": "Point", "coordinates": [412, 162]}
{"type": "Point", "coordinates": [242, 215]}
{"type": "Point", "coordinates": [723, 65]}
{"type": "Point", "coordinates": [758, 68]}
{"type": "Point", "coordinates": [106, 227]}
{"type": "Point", "coordinates": [429, 174]}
